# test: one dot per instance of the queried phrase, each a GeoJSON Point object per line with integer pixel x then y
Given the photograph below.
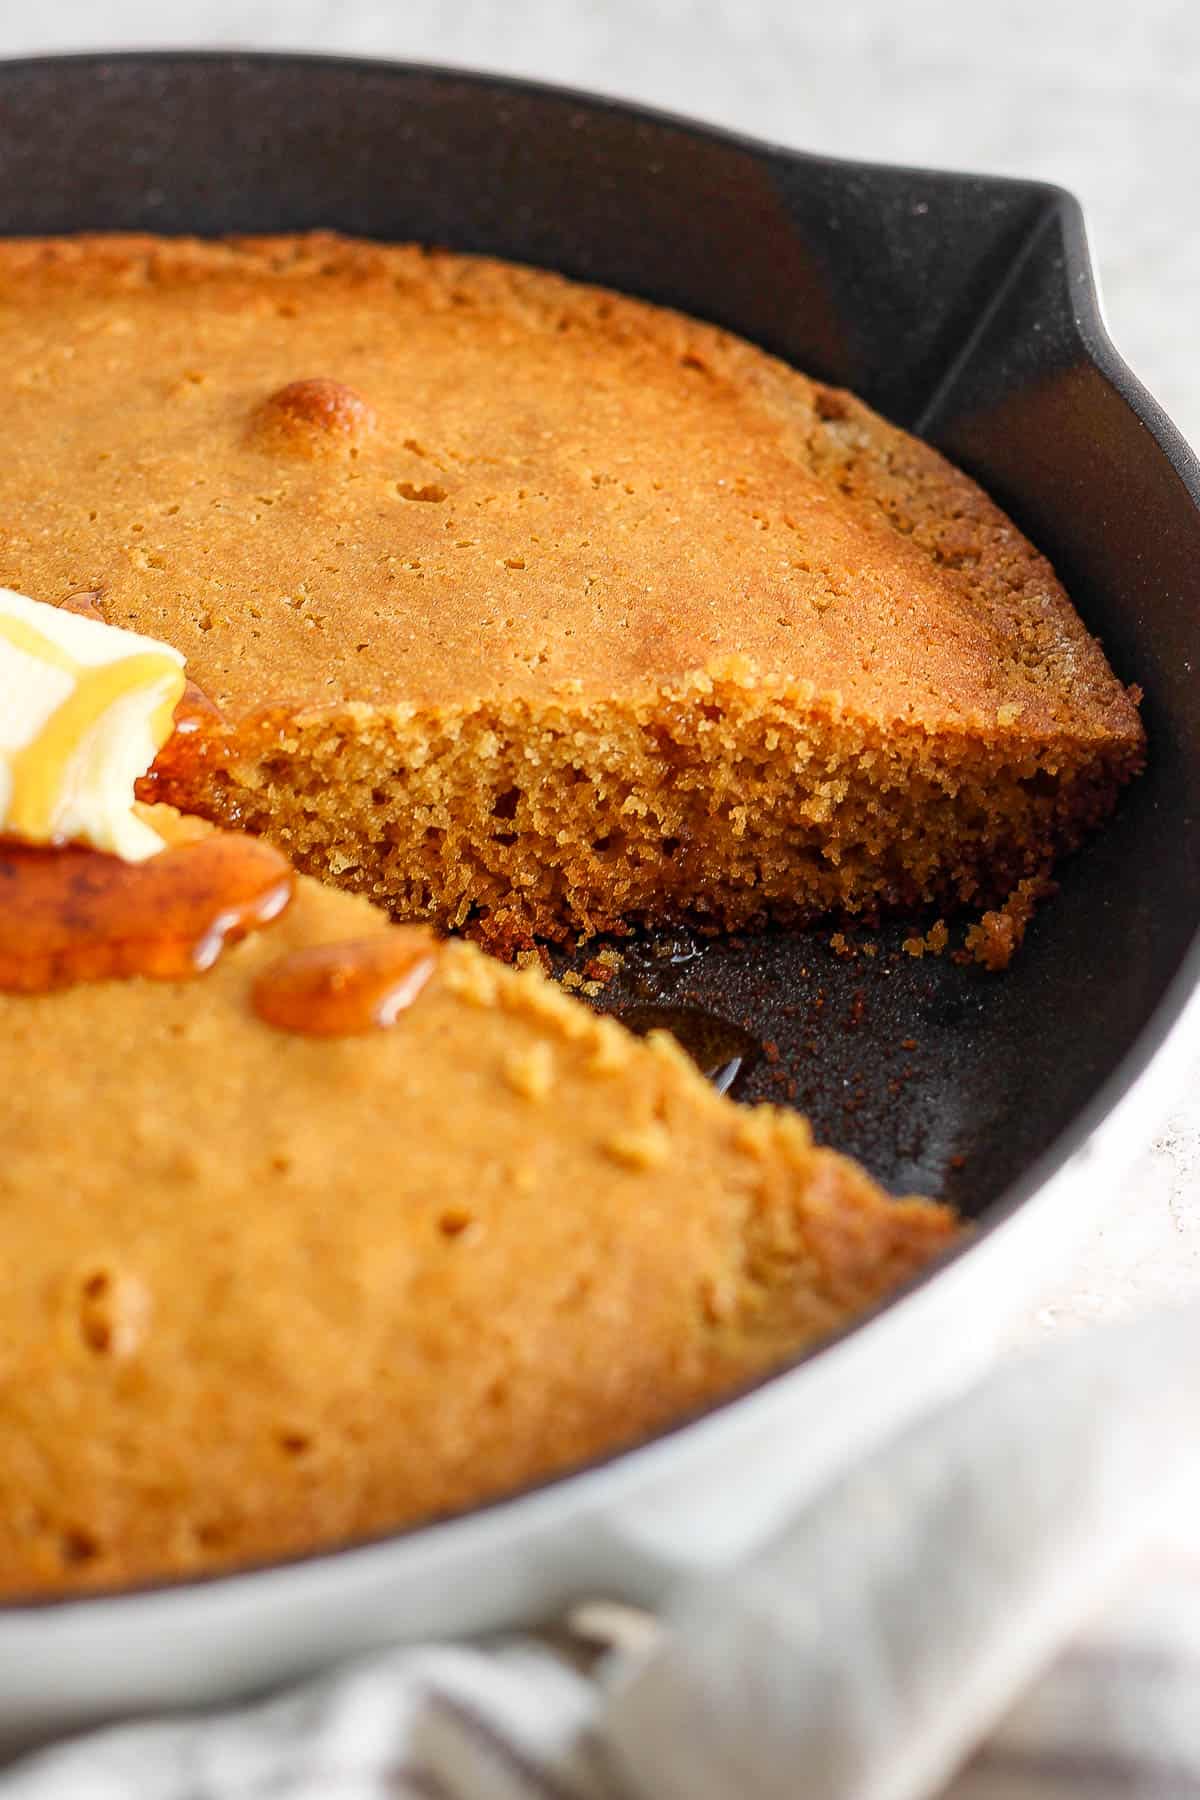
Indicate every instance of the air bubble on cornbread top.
{"type": "Point", "coordinates": [310, 418]}
{"type": "Point", "coordinates": [625, 495]}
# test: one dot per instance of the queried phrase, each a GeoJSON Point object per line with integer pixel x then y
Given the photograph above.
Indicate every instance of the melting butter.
{"type": "Point", "coordinates": [84, 710]}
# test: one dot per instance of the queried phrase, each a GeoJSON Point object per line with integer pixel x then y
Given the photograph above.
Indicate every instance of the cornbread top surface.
{"type": "Point", "coordinates": [277, 1290]}
{"type": "Point", "coordinates": [333, 472]}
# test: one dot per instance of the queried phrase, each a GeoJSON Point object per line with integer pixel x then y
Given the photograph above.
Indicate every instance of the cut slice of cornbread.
{"type": "Point", "coordinates": [536, 608]}
{"type": "Point", "coordinates": [268, 1292]}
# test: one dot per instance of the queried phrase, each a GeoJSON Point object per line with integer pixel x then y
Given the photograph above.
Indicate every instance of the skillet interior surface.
{"type": "Point", "coordinates": [960, 306]}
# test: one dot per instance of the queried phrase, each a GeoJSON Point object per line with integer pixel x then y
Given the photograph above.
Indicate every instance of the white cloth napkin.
{"type": "Point", "coordinates": [935, 1611]}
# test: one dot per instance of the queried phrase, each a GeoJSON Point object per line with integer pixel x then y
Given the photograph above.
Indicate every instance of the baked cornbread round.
{"type": "Point", "coordinates": [535, 609]}
{"type": "Point", "coordinates": [270, 1292]}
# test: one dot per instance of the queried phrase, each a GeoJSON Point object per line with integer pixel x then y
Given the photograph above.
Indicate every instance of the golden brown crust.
{"type": "Point", "coordinates": [275, 1291]}
{"type": "Point", "coordinates": [540, 608]}
{"type": "Point", "coordinates": [881, 497]}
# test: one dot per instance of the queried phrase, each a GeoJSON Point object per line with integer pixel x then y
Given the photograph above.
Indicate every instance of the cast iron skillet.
{"type": "Point", "coordinates": [963, 307]}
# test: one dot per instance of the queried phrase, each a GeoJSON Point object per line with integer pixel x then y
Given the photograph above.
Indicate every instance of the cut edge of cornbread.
{"type": "Point", "coordinates": [728, 800]}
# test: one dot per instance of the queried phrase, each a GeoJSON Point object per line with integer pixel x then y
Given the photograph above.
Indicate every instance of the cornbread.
{"type": "Point", "coordinates": [272, 1291]}
{"type": "Point", "coordinates": [519, 608]}
{"type": "Point", "coordinates": [535, 610]}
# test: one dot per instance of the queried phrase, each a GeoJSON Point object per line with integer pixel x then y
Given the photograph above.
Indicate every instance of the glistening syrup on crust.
{"type": "Point", "coordinates": [86, 603]}
{"type": "Point", "coordinates": [194, 712]}
{"type": "Point", "coordinates": [193, 742]}
{"type": "Point", "coordinates": [347, 989]}
{"type": "Point", "coordinates": [70, 915]}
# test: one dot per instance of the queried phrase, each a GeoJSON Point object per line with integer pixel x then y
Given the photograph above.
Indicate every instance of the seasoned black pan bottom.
{"type": "Point", "coordinates": [932, 1071]}
{"type": "Point", "coordinates": [883, 1053]}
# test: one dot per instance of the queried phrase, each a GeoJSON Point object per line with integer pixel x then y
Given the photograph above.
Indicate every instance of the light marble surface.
{"type": "Point", "coordinates": [1097, 95]}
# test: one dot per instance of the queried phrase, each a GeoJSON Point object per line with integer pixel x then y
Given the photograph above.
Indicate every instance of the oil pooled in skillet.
{"type": "Point", "coordinates": [725, 1052]}
{"type": "Point", "coordinates": [887, 1055]}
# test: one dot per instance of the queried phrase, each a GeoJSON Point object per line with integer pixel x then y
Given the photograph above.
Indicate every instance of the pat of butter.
{"type": "Point", "coordinates": [84, 710]}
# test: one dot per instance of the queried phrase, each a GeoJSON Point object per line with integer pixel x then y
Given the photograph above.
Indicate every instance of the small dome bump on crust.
{"type": "Point", "coordinates": [308, 417]}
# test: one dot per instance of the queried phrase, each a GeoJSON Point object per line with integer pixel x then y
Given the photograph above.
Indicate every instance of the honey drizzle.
{"type": "Point", "coordinates": [86, 604]}
{"type": "Point", "coordinates": [38, 771]}
{"type": "Point", "coordinates": [347, 989]}
{"type": "Point", "coordinates": [72, 914]}
{"type": "Point", "coordinates": [194, 748]}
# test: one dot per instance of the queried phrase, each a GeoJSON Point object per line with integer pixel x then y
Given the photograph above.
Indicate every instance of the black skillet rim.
{"type": "Point", "coordinates": [1099, 350]}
